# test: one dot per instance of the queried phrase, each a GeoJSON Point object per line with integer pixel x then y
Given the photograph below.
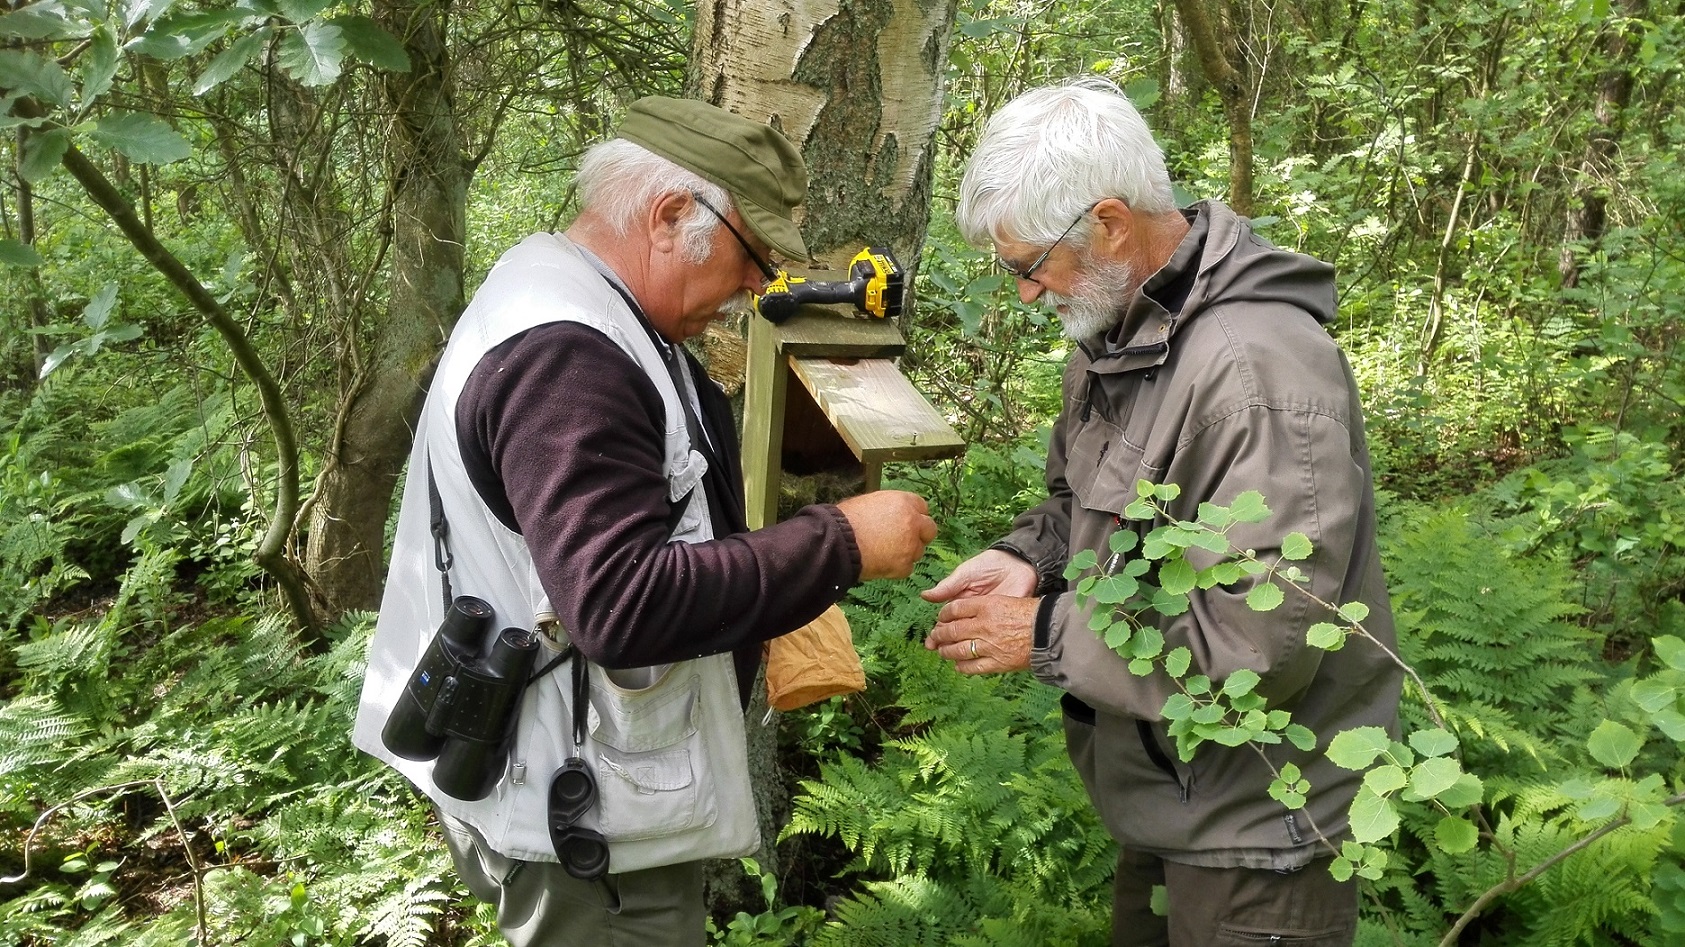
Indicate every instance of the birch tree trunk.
{"type": "Point", "coordinates": [857, 86]}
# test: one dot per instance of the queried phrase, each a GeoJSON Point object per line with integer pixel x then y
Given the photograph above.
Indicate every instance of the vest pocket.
{"type": "Point", "coordinates": [648, 752]}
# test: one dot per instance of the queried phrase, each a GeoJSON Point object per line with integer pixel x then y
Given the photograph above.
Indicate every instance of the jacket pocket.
{"type": "Point", "coordinates": [1101, 467]}
{"type": "Point", "coordinates": [647, 750]}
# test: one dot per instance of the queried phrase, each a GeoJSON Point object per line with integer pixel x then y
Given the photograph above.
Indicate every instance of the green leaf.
{"type": "Point", "coordinates": [42, 152]}
{"type": "Point", "coordinates": [1467, 791]}
{"type": "Point", "coordinates": [1168, 605]}
{"type": "Point", "coordinates": [1240, 682]}
{"type": "Point", "coordinates": [1598, 808]}
{"type": "Point", "coordinates": [1372, 817]}
{"type": "Point", "coordinates": [1115, 589]}
{"type": "Point", "coordinates": [1084, 560]}
{"type": "Point", "coordinates": [1264, 597]}
{"type": "Point", "coordinates": [313, 54]}
{"type": "Point", "coordinates": [1296, 546]}
{"type": "Point", "coordinates": [1123, 540]}
{"type": "Point", "coordinates": [1232, 736]}
{"type": "Point", "coordinates": [1148, 643]}
{"type": "Point", "coordinates": [1249, 507]}
{"type": "Point", "coordinates": [1455, 835]}
{"type": "Point", "coordinates": [1140, 667]}
{"type": "Point", "coordinates": [136, 12]}
{"type": "Point", "coordinates": [1341, 869]}
{"type": "Point", "coordinates": [1177, 662]}
{"type": "Point", "coordinates": [1671, 650]}
{"type": "Point", "coordinates": [1140, 508]}
{"type": "Point", "coordinates": [1198, 684]}
{"type": "Point", "coordinates": [37, 22]}
{"type": "Point", "coordinates": [57, 358]}
{"type": "Point", "coordinates": [98, 66]}
{"type": "Point", "coordinates": [1670, 722]}
{"type": "Point", "coordinates": [1433, 776]}
{"type": "Point", "coordinates": [1177, 707]}
{"type": "Point", "coordinates": [1209, 541]}
{"type": "Point", "coordinates": [1176, 577]}
{"type": "Point", "coordinates": [1354, 612]}
{"type": "Point", "coordinates": [1118, 635]}
{"type": "Point", "coordinates": [1300, 736]}
{"type": "Point", "coordinates": [35, 75]}
{"type": "Point", "coordinates": [176, 477]}
{"type": "Point", "coordinates": [1646, 815]}
{"type": "Point", "coordinates": [1207, 714]}
{"type": "Point", "coordinates": [1614, 745]}
{"type": "Point", "coordinates": [1385, 779]}
{"type": "Point", "coordinates": [230, 61]}
{"type": "Point", "coordinates": [1144, 489]}
{"type": "Point", "coordinates": [142, 138]}
{"type": "Point", "coordinates": [299, 11]}
{"type": "Point", "coordinates": [1653, 694]}
{"type": "Point", "coordinates": [1326, 635]}
{"type": "Point", "coordinates": [18, 253]}
{"type": "Point", "coordinates": [1214, 516]}
{"type": "Point", "coordinates": [186, 34]}
{"type": "Point", "coordinates": [99, 308]}
{"type": "Point", "coordinates": [1433, 742]}
{"type": "Point", "coordinates": [373, 45]}
{"type": "Point", "coordinates": [1355, 749]}
{"type": "Point", "coordinates": [1167, 491]}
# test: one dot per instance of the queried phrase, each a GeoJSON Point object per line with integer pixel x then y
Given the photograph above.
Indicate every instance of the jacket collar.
{"type": "Point", "coordinates": [1142, 338]}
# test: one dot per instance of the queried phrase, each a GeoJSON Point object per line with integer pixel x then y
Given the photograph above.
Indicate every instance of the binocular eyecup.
{"type": "Point", "coordinates": [573, 791]}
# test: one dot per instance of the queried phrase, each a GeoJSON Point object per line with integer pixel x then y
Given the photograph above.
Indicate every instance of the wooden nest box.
{"type": "Point", "coordinates": [850, 410]}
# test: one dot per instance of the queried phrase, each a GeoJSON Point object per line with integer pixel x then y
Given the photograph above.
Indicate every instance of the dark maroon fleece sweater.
{"type": "Point", "coordinates": [561, 433]}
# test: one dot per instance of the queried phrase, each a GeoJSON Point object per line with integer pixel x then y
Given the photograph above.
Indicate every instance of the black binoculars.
{"type": "Point", "coordinates": [459, 707]}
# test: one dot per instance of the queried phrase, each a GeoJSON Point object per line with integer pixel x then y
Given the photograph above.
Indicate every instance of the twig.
{"type": "Point", "coordinates": [1499, 890]}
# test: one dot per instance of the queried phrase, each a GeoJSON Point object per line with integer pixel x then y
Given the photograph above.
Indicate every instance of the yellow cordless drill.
{"type": "Point", "coordinates": [875, 286]}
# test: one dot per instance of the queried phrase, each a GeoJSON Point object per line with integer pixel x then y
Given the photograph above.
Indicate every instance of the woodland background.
{"type": "Point", "coordinates": [233, 235]}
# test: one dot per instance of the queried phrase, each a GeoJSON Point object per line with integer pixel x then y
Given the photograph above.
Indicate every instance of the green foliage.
{"type": "Point", "coordinates": [1485, 627]}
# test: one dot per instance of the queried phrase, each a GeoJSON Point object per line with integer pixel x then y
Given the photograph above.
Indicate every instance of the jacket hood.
{"type": "Point", "coordinates": [1238, 266]}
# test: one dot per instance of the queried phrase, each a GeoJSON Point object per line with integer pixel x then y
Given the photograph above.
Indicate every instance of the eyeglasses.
{"type": "Point", "coordinates": [1028, 273]}
{"type": "Point", "coordinates": [760, 264]}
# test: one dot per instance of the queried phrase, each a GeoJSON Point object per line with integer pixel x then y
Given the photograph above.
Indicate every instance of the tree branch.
{"type": "Point", "coordinates": [271, 554]}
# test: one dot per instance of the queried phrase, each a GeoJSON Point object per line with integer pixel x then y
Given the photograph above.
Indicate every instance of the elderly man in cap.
{"type": "Point", "coordinates": [576, 473]}
{"type": "Point", "coordinates": [1200, 360]}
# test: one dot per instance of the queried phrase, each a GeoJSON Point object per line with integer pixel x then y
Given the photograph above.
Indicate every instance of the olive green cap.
{"type": "Point", "coordinates": [758, 166]}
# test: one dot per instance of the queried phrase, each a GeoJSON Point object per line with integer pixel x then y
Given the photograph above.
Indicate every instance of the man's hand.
{"type": "Point", "coordinates": [985, 634]}
{"type": "Point", "coordinates": [990, 572]}
{"type": "Point", "coordinates": [891, 527]}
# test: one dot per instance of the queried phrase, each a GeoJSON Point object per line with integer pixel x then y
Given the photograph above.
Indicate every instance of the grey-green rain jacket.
{"type": "Point", "coordinates": [1240, 388]}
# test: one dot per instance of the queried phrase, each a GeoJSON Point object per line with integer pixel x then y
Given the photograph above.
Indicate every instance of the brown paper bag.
{"type": "Point", "coordinates": [813, 662]}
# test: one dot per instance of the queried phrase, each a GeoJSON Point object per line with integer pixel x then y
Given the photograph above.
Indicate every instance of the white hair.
{"type": "Point", "coordinates": [618, 180]}
{"type": "Point", "coordinates": [1053, 151]}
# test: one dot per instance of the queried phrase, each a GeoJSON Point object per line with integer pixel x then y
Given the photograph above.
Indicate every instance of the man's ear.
{"type": "Point", "coordinates": [664, 218]}
{"type": "Point", "coordinates": [1116, 230]}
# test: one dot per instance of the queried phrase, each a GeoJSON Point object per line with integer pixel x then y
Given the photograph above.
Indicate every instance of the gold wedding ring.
{"type": "Point", "coordinates": [974, 647]}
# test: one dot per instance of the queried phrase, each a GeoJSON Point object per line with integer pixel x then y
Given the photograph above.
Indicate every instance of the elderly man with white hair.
{"type": "Point", "coordinates": [1200, 360]}
{"type": "Point", "coordinates": [574, 505]}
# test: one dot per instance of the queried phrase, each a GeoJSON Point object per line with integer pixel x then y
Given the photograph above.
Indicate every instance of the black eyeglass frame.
{"type": "Point", "coordinates": [1028, 273]}
{"type": "Point", "coordinates": [760, 264]}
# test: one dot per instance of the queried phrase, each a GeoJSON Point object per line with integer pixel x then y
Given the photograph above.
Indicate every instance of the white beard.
{"type": "Point", "coordinates": [742, 302]}
{"type": "Point", "coordinates": [1098, 295]}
